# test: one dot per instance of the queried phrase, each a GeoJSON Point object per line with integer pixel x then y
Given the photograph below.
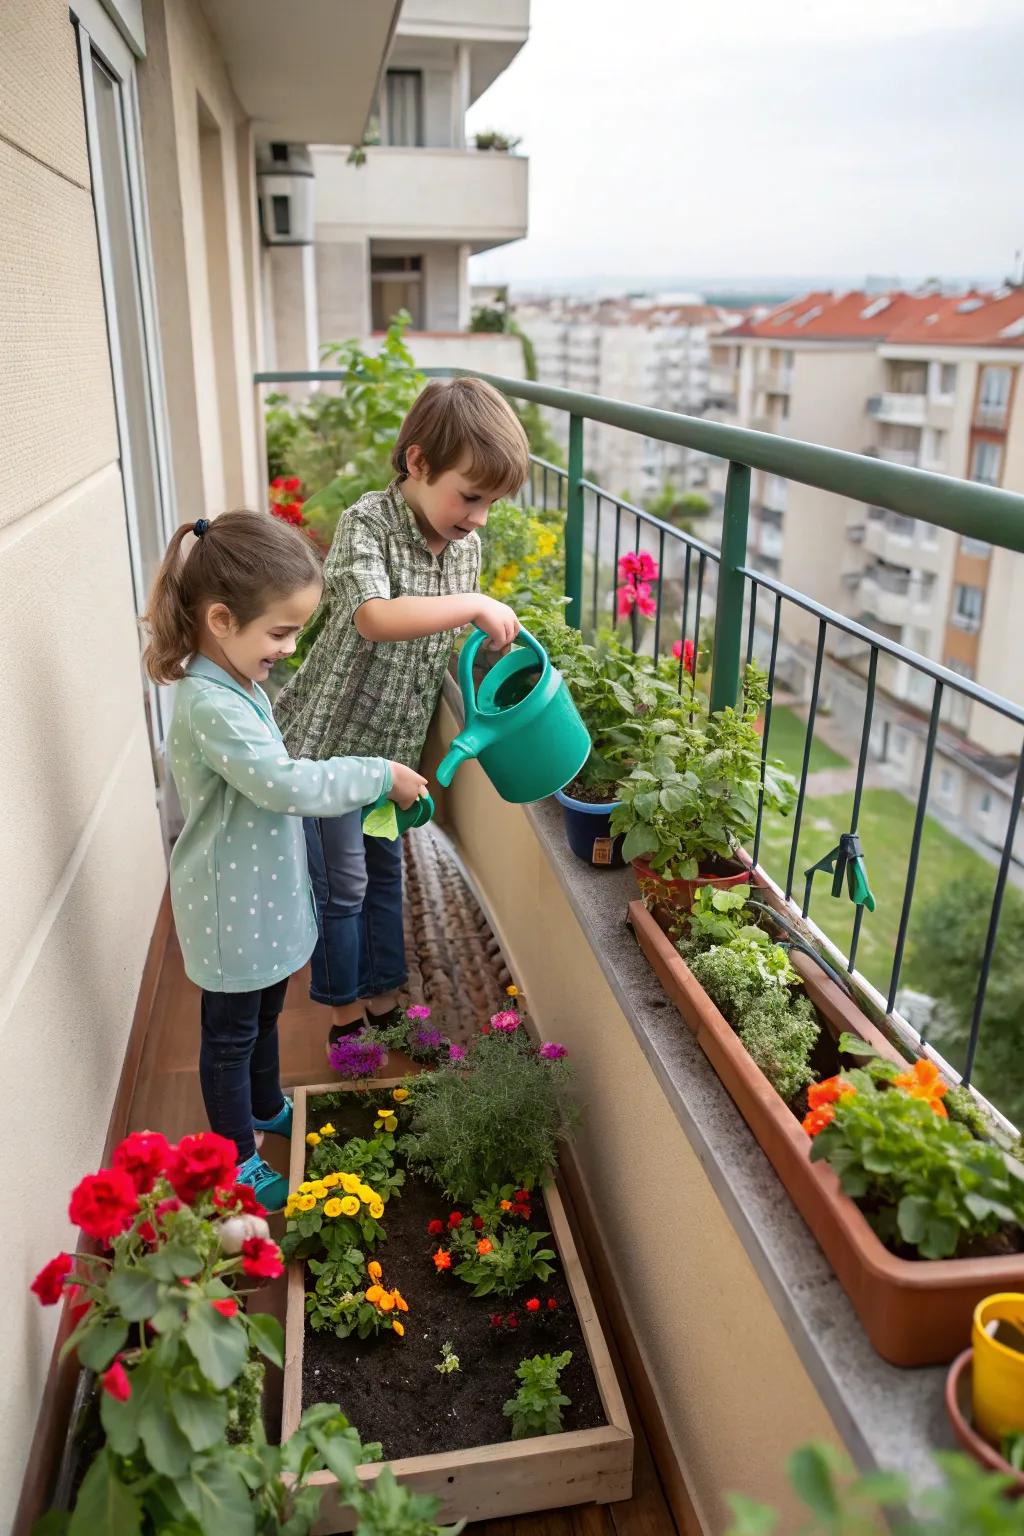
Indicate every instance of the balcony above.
{"type": "Point", "coordinates": [895, 597]}
{"type": "Point", "coordinates": [335, 47]}
{"type": "Point", "coordinates": [775, 381]}
{"type": "Point", "coordinates": [992, 418]}
{"type": "Point", "coordinates": [900, 541]}
{"type": "Point", "coordinates": [905, 410]}
{"type": "Point", "coordinates": [494, 29]}
{"type": "Point", "coordinates": [463, 196]}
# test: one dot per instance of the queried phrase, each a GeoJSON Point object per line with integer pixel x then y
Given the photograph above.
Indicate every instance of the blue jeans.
{"type": "Point", "coordinates": [357, 885]}
{"type": "Point", "coordinates": [238, 1063]}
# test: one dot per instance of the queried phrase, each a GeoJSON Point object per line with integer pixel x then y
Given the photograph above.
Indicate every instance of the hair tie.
{"type": "Point", "coordinates": [200, 526]}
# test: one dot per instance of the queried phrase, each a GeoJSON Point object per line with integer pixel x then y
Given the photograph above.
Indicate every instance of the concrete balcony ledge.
{"type": "Point", "coordinates": [888, 1418]}
{"type": "Point", "coordinates": [908, 410]}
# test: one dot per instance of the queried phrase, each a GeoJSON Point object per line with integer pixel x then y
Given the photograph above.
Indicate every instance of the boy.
{"type": "Point", "coordinates": [401, 577]}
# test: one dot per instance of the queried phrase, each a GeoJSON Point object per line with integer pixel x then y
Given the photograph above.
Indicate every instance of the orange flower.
{"type": "Point", "coordinates": [374, 1294]}
{"type": "Point", "coordinates": [443, 1259]}
{"type": "Point", "coordinates": [817, 1119]}
{"type": "Point", "coordinates": [924, 1082]}
{"type": "Point", "coordinates": [506, 1205]}
{"type": "Point", "coordinates": [400, 1301]}
{"type": "Point", "coordinates": [484, 1246]}
{"type": "Point", "coordinates": [374, 1270]}
{"type": "Point", "coordinates": [829, 1092]}
{"type": "Point", "coordinates": [386, 1303]}
{"type": "Point", "coordinates": [397, 1327]}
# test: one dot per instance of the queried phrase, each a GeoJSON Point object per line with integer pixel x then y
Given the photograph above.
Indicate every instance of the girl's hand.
{"type": "Point", "coordinates": [406, 785]}
{"type": "Point", "coordinates": [499, 623]}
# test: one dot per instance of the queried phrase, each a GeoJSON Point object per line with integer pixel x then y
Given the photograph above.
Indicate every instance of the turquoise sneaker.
{"type": "Point", "coordinates": [269, 1187]}
{"type": "Point", "coordinates": [281, 1124]}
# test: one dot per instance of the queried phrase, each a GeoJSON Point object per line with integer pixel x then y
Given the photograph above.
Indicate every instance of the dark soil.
{"type": "Point", "coordinates": [389, 1387]}
{"type": "Point", "coordinates": [591, 794]}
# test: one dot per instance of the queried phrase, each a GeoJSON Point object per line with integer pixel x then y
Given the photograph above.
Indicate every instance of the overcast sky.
{"type": "Point", "coordinates": [729, 139]}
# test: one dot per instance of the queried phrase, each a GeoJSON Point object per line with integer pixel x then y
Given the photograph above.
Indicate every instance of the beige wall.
{"type": "Point", "coordinates": [79, 842]}
{"type": "Point", "coordinates": [734, 1394]}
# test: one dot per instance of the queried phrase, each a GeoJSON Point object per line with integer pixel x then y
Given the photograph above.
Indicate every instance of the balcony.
{"type": "Point", "coordinates": [721, 381]}
{"type": "Point", "coordinates": [775, 381]}
{"type": "Point", "coordinates": [485, 351]}
{"type": "Point", "coordinates": [910, 457]}
{"type": "Point", "coordinates": [902, 410]}
{"type": "Point", "coordinates": [902, 541]}
{"type": "Point", "coordinates": [992, 417]}
{"type": "Point", "coordinates": [465, 196]}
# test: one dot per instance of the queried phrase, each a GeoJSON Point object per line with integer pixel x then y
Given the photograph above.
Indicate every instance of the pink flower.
{"type": "Point", "coordinates": [418, 1011]}
{"type": "Point", "coordinates": [683, 651]}
{"type": "Point", "coordinates": [550, 1051]}
{"type": "Point", "coordinates": [506, 1021]}
{"type": "Point", "coordinates": [638, 567]}
{"type": "Point", "coordinates": [115, 1382]}
{"type": "Point", "coordinates": [456, 1052]}
{"type": "Point", "coordinates": [644, 601]}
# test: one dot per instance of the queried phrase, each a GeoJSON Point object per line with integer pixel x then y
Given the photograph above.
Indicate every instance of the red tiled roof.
{"type": "Point", "coordinates": [963, 319]}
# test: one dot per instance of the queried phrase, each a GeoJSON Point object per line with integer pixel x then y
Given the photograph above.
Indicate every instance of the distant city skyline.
{"type": "Point", "coordinates": [739, 146]}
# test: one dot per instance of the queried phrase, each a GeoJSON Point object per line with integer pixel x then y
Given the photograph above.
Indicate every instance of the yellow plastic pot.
{"type": "Point", "coordinates": [998, 1369]}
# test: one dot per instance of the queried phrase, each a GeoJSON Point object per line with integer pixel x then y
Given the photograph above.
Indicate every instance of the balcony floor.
{"type": "Point", "coordinates": [455, 964]}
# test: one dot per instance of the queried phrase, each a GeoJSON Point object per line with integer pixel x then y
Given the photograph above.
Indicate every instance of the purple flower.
{"type": "Point", "coordinates": [417, 1011]}
{"type": "Point", "coordinates": [549, 1051]}
{"type": "Point", "coordinates": [428, 1038]}
{"type": "Point", "coordinates": [506, 1021]}
{"type": "Point", "coordinates": [456, 1052]}
{"type": "Point", "coordinates": [352, 1057]}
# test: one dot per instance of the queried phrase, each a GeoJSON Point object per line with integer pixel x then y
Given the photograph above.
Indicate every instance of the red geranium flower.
{"type": "Point", "coordinates": [288, 511]}
{"type": "Point", "coordinates": [533, 1305]}
{"type": "Point", "coordinates": [521, 1209]}
{"type": "Point", "coordinates": [48, 1285]}
{"type": "Point", "coordinates": [511, 1321]}
{"type": "Point", "coordinates": [683, 651]}
{"type": "Point", "coordinates": [115, 1381]}
{"type": "Point", "coordinates": [521, 1194]}
{"type": "Point", "coordinates": [496, 1320]}
{"type": "Point", "coordinates": [455, 1219]}
{"type": "Point", "coordinates": [143, 1156]}
{"type": "Point", "coordinates": [478, 1223]}
{"type": "Point", "coordinates": [77, 1309]}
{"type": "Point", "coordinates": [435, 1228]}
{"type": "Point", "coordinates": [285, 483]}
{"type": "Point", "coordinates": [227, 1306]}
{"type": "Point", "coordinates": [201, 1162]}
{"type": "Point", "coordinates": [552, 1304]}
{"type": "Point", "coordinates": [147, 1229]}
{"type": "Point", "coordinates": [261, 1259]}
{"type": "Point", "coordinates": [104, 1203]}
{"type": "Point", "coordinates": [239, 1194]}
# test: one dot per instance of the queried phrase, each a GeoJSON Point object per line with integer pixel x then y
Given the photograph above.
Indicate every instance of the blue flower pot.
{"type": "Point", "coordinates": [588, 828]}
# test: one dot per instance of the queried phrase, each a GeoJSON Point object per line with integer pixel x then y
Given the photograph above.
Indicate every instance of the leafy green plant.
{"type": "Point", "coordinates": [923, 1181]}
{"type": "Point", "coordinates": [449, 1360]}
{"type": "Point", "coordinates": [372, 1158]}
{"type": "Point", "coordinates": [716, 917]}
{"type": "Point", "coordinates": [499, 141]}
{"type": "Point", "coordinates": [510, 1260]}
{"type": "Point", "coordinates": [523, 556]}
{"type": "Point", "coordinates": [537, 1406]}
{"type": "Point", "coordinates": [498, 1118]}
{"type": "Point", "coordinates": [841, 1503]}
{"type": "Point", "coordinates": [750, 981]}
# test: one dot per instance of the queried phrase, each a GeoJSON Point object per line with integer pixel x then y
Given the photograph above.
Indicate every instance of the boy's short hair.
{"type": "Point", "coordinates": [458, 418]}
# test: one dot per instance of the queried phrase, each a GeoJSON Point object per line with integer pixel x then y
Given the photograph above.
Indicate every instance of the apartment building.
{"type": "Point", "coordinates": [650, 351]}
{"type": "Point", "coordinates": [927, 380]}
{"type": "Point", "coordinates": [397, 221]}
{"type": "Point", "coordinates": [131, 317]}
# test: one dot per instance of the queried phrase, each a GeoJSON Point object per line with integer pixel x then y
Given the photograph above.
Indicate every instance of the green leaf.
{"type": "Point", "coordinates": [53, 1523]}
{"type": "Point", "coordinates": [105, 1507]}
{"type": "Point", "coordinates": [220, 1345]}
{"type": "Point", "coordinates": [382, 821]}
{"type": "Point", "coordinates": [217, 1495]}
{"type": "Point", "coordinates": [121, 1420]}
{"type": "Point", "coordinates": [266, 1333]}
{"type": "Point", "coordinates": [173, 1262]}
{"type": "Point", "coordinates": [102, 1343]}
{"type": "Point", "coordinates": [167, 1449]}
{"type": "Point", "coordinates": [912, 1217]}
{"type": "Point", "coordinates": [134, 1293]}
{"type": "Point", "coordinates": [811, 1476]}
{"type": "Point", "coordinates": [639, 842]}
{"type": "Point", "coordinates": [852, 1045]}
{"type": "Point", "coordinates": [201, 1415]}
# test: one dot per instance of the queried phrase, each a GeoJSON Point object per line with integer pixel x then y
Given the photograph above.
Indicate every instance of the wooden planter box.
{"type": "Point", "coordinates": [484, 1482]}
{"type": "Point", "coordinates": [914, 1311]}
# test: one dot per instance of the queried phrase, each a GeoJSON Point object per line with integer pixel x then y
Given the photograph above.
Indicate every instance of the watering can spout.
{"type": "Point", "coordinates": [460, 751]}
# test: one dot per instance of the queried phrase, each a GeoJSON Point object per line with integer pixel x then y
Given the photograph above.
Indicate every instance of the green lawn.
{"type": "Point", "coordinates": [886, 829]}
{"type": "Point", "coordinates": [786, 741]}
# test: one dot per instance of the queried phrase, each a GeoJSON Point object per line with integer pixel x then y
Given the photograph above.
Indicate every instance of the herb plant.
{"type": "Point", "coordinates": [537, 1406]}
{"type": "Point", "coordinates": [504, 1263]}
{"type": "Point", "coordinates": [751, 979]}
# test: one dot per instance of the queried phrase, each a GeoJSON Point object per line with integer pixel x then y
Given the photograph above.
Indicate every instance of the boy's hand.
{"type": "Point", "coordinates": [406, 785]}
{"type": "Point", "coordinates": [499, 623]}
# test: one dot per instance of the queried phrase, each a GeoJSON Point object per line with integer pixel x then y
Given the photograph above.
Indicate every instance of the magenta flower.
{"type": "Point", "coordinates": [456, 1052]}
{"type": "Point", "coordinates": [352, 1057]}
{"type": "Point", "coordinates": [638, 567]}
{"type": "Point", "coordinates": [506, 1021]}
{"type": "Point", "coordinates": [428, 1038]}
{"type": "Point", "coordinates": [552, 1052]}
{"type": "Point", "coordinates": [418, 1011]}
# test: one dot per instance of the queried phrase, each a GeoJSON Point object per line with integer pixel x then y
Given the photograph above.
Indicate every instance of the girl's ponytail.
{"type": "Point", "coordinates": [242, 559]}
{"type": "Point", "coordinates": [170, 624]}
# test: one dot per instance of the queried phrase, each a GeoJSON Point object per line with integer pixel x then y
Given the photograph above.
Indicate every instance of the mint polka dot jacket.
{"type": "Point", "coordinates": [240, 891]}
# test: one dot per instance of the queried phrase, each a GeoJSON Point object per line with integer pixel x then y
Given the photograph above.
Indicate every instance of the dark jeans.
{"type": "Point", "coordinates": [357, 884]}
{"type": "Point", "coordinates": [238, 1065]}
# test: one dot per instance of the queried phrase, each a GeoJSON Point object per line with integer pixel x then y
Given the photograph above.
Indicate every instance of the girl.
{"type": "Point", "coordinates": [218, 620]}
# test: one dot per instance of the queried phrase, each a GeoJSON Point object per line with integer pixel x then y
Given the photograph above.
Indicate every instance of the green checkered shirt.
{"type": "Point", "coordinates": [359, 697]}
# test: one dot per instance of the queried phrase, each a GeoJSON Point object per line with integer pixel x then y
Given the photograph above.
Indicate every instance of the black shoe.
{"type": "Point", "coordinates": [339, 1031]}
{"type": "Point", "coordinates": [385, 1020]}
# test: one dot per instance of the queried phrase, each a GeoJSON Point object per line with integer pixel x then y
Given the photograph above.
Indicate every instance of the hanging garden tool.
{"type": "Point", "coordinates": [848, 860]}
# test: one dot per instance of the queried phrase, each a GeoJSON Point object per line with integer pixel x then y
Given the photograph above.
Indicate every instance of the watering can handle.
{"type": "Point", "coordinates": [468, 657]}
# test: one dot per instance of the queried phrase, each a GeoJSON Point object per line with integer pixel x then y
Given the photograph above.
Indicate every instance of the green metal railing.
{"type": "Point", "coordinates": [969, 509]}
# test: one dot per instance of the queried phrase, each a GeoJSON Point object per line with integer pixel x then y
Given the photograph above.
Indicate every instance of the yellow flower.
{"type": "Point", "coordinates": [511, 991]}
{"type": "Point", "coordinates": [350, 1183]}
{"type": "Point", "coordinates": [331, 1180]}
{"type": "Point", "coordinates": [398, 1328]}
{"type": "Point", "coordinates": [365, 1193]}
{"type": "Point", "coordinates": [304, 1189]}
{"type": "Point", "coordinates": [376, 1209]}
{"type": "Point", "coordinates": [386, 1121]}
{"type": "Point", "coordinates": [306, 1202]}
{"type": "Point", "coordinates": [374, 1270]}
{"type": "Point", "coordinates": [291, 1205]}
{"type": "Point", "coordinates": [312, 1140]}
{"type": "Point", "coordinates": [328, 1130]}
{"type": "Point", "coordinates": [333, 1207]}
{"type": "Point", "coordinates": [349, 1206]}
{"type": "Point", "coordinates": [400, 1095]}
{"type": "Point", "coordinates": [319, 1189]}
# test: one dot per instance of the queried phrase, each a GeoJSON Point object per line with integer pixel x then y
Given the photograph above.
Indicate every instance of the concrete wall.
{"type": "Point", "coordinates": [342, 284]}
{"type": "Point", "coordinates": [733, 1392]}
{"type": "Point", "coordinates": [79, 842]}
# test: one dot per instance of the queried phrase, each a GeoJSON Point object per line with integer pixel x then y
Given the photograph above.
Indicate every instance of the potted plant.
{"type": "Point", "coordinates": [1003, 1454]}
{"type": "Point", "coordinates": [497, 141]}
{"type": "Point", "coordinates": [690, 800]}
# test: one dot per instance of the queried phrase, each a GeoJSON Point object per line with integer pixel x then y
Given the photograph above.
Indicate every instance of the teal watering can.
{"type": "Point", "coordinates": [379, 822]}
{"type": "Point", "coordinates": [522, 725]}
